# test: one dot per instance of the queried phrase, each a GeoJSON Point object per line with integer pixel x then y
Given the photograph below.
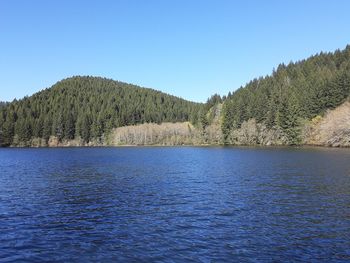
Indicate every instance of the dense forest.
{"type": "Point", "coordinates": [290, 95]}
{"type": "Point", "coordinates": [2, 104]}
{"type": "Point", "coordinates": [88, 108]}
{"type": "Point", "coordinates": [269, 110]}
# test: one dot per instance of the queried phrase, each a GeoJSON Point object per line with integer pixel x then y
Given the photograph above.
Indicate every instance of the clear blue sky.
{"type": "Point", "coordinates": [188, 48]}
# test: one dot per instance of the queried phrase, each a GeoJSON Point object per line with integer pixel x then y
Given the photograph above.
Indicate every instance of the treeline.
{"type": "Point", "coordinates": [88, 108]}
{"type": "Point", "coordinates": [292, 94]}
{"type": "Point", "coordinates": [268, 110]}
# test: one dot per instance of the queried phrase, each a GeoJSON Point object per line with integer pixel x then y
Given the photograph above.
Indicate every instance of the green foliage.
{"type": "Point", "coordinates": [212, 101]}
{"type": "Point", "coordinates": [7, 126]}
{"type": "Point", "coordinates": [203, 120]}
{"type": "Point", "coordinates": [297, 91]}
{"type": "Point", "coordinates": [88, 107]}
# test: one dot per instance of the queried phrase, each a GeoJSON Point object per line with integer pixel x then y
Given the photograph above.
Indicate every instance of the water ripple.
{"type": "Point", "coordinates": [174, 205]}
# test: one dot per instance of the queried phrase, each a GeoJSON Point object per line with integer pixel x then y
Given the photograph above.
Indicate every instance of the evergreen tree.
{"type": "Point", "coordinates": [295, 91]}
{"type": "Point", "coordinates": [69, 127]}
{"type": "Point", "coordinates": [47, 127]}
{"type": "Point", "coordinates": [58, 126]}
{"type": "Point", "coordinates": [89, 107]}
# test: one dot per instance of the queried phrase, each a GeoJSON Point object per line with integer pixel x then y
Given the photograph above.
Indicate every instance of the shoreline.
{"type": "Point", "coordinates": [304, 146]}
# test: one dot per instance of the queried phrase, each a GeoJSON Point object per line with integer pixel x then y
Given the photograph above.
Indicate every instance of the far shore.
{"type": "Point", "coordinates": [305, 146]}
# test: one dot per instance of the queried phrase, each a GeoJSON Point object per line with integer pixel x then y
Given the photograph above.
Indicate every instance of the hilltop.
{"type": "Point", "coordinates": [88, 108]}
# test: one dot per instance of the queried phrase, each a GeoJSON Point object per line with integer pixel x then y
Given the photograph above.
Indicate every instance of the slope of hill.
{"type": "Point", "coordinates": [331, 130]}
{"type": "Point", "coordinates": [292, 106]}
{"type": "Point", "coordinates": [206, 132]}
{"type": "Point", "coordinates": [278, 105]}
{"type": "Point", "coordinates": [88, 108]}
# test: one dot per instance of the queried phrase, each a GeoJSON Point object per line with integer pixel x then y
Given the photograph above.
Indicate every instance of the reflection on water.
{"type": "Point", "coordinates": [175, 204]}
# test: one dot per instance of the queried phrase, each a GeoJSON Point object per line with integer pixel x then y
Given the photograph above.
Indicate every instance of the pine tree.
{"type": "Point", "coordinates": [47, 127]}
{"type": "Point", "coordinates": [38, 127]}
{"type": "Point", "coordinates": [69, 127]}
{"type": "Point", "coordinates": [23, 130]}
{"type": "Point", "coordinates": [58, 126]}
{"type": "Point", "coordinates": [288, 119]}
{"type": "Point", "coordinates": [85, 128]}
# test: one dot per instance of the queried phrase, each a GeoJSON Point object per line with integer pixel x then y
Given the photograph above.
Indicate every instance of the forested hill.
{"type": "Point", "coordinates": [291, 95]}
{"type": "Point", "coordinates": [88, 108]}
{"type": "Point", "coordinates": [286, 107]}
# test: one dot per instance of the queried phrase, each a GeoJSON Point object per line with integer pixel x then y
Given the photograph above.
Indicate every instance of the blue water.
{"type": "Point", "coordinates": [175, 205]}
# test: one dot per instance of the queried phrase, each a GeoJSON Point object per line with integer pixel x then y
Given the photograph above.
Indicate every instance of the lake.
{"type": "Point", "coordinates": [180, 204]}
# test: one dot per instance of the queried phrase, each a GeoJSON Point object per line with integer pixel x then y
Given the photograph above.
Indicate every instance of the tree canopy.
{"type": "Point", "coordinates": [291, 93]}
{"type": "Point", "coordinates": [88, 107]}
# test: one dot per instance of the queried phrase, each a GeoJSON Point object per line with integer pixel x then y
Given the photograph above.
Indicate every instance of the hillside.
{"type": "Point", "coordinates": [292, 106]}
{"type": "Point", "coordinates": [207, 131]}
{"type": "Point", "coordinates": [333, 129]}
{"type": "Point", "coordinates": [275, 108]}
{"type": "Point", "coordinates": [87, 108]}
